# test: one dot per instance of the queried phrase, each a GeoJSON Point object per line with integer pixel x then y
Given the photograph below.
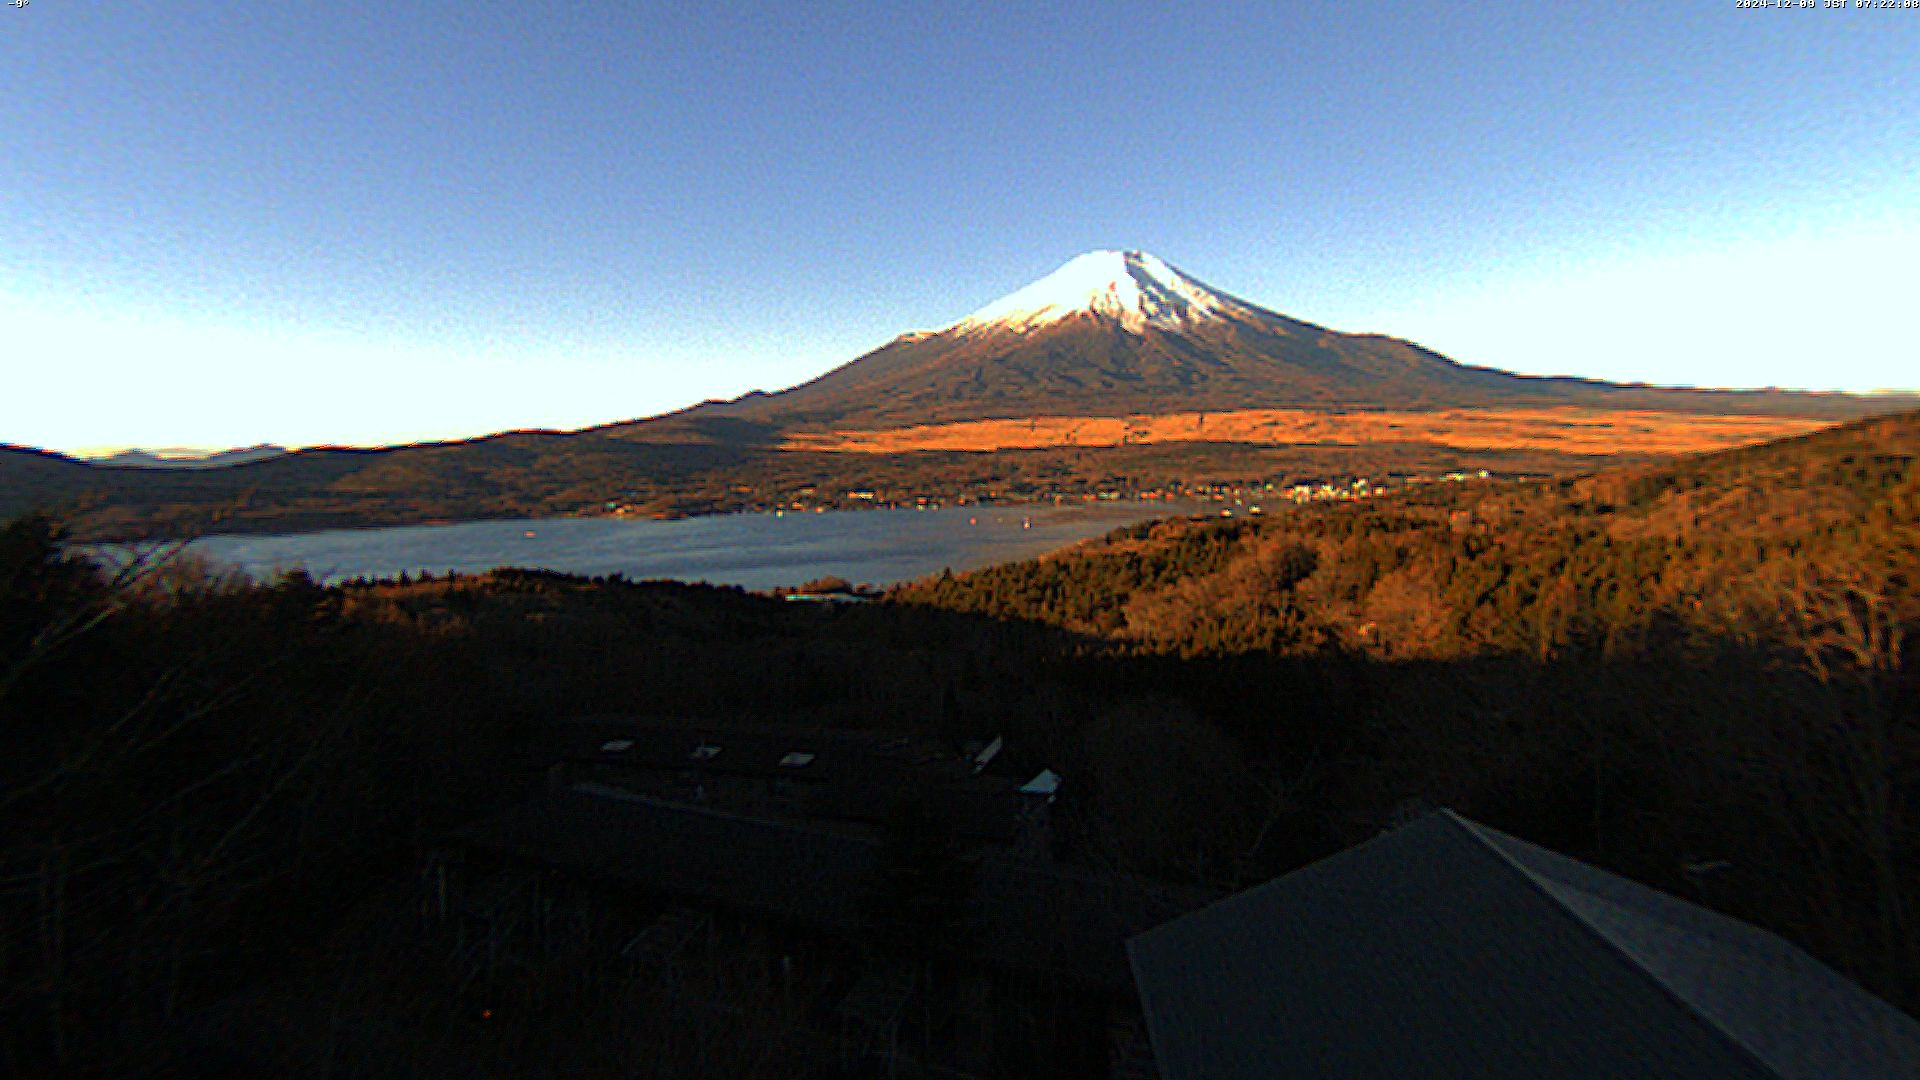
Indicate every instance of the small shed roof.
{"type": "Point", "coordinates": [1046, 783]}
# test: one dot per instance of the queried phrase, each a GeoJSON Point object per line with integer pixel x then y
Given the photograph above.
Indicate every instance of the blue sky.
{"type": "Point", "coordinates": [360, 223]}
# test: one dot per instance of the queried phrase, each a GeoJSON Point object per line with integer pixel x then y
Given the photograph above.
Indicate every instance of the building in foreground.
{"type": "Point", "coordinates": [1446, 949]}
{"type": "Point", "coordinates": [754, 880]}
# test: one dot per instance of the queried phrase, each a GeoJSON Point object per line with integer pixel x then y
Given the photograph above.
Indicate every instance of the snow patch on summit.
{"type": "Point", "coordinates": [1132, 287]}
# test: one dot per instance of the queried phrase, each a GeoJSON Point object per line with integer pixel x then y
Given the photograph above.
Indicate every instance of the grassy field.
{"type": "Point", "coordinates": [1565, 430]}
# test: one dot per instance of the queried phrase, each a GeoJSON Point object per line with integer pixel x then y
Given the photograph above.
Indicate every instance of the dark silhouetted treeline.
{"type": "Point", "coordinates": [208, 781]}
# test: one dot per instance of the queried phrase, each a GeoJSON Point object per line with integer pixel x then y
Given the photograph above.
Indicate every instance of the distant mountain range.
{"type": "Point", "coordinates": [1117, 372]}
{"type": "Point", "coordinates": [184, 457]}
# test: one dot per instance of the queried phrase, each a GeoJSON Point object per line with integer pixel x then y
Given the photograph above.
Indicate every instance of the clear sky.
{"type": "Point", "coordinates": [223, 224]}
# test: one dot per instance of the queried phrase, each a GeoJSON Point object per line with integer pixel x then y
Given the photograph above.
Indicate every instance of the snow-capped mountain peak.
{"type": "Point", "coordinates": [1133, 287]}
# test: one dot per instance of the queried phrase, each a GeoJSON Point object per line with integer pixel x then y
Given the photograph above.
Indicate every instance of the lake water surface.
{"type": "Point", "coordinates": [758, 551]}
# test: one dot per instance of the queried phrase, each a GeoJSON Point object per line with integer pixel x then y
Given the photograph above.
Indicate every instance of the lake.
{"type": "Point", "coordinates": [757, 551]}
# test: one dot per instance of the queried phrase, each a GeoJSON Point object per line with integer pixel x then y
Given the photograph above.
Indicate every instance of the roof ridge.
{"type": "Point", "coordinates": [595, 793]}
{"type": "Point", "coordinates": [1478, 832]}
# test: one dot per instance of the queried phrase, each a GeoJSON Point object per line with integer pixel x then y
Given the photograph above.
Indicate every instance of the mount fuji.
{"type": "Point", "coordinates": [1116, 333]}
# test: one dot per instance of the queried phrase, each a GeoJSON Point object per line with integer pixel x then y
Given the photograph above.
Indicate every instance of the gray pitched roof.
{"type": "Point", "coordinates": [1447, 949]}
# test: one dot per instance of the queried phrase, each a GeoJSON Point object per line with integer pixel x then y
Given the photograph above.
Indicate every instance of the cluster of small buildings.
{"type": "Point", "coordinates": [1358, 488]}
{"type": "Point", "coordinates": [811, 499]}
{"type": "Point", "coordinates": [1441, 949]}
{"type": "Point", "coordinates": [722, 855]}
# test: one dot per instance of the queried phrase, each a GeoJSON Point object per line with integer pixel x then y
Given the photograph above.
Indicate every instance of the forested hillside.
{"type": "Point", "coordinates": [1763, 544]}
{"type": "Point", "coordinates": [1696, 673]}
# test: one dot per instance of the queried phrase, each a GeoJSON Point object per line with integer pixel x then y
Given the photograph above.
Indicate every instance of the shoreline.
{"type": "Point", "coordinates": [301, 525]}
